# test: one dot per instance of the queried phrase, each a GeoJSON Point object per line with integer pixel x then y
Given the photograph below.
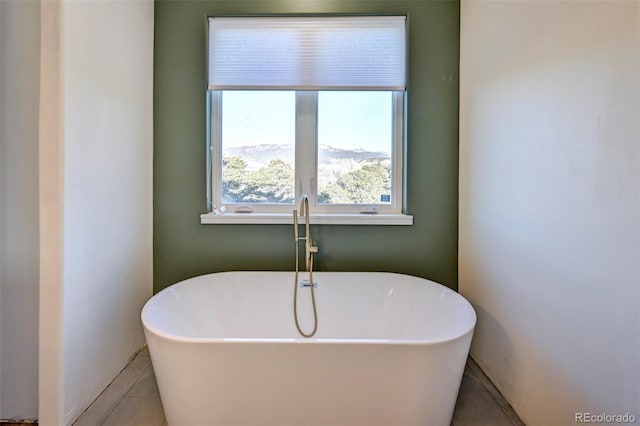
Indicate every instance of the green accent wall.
{"type": "Point", "coordinates": [184, 248]}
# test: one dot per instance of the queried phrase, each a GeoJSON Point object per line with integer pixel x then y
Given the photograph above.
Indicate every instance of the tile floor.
{"type": "Point", "coordinates": [133, 399]}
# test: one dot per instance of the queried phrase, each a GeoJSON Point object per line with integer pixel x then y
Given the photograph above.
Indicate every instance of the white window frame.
{"type": "Point", "coordinates": [306, 174]}
{"type": "Point", "coordinates": [305, 170]}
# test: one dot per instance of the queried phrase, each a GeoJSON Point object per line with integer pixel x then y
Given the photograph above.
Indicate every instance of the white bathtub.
{"type": "Point", "coordinates": [390, 350]}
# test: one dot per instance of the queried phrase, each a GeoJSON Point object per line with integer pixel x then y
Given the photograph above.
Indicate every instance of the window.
{"type": "Point", "coordinates": [306, 105]}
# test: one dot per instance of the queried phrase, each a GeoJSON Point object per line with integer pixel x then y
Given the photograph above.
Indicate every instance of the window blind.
{"type": "Point", "coordinates": [307, 53]}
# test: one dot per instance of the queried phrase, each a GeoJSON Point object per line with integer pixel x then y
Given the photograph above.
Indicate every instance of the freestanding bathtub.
{"type": "Point", "coordinates": [390, 350]}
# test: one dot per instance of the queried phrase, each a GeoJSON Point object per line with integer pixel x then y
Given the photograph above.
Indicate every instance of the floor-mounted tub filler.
{"type": "Point", "coordinates": [390, 349]}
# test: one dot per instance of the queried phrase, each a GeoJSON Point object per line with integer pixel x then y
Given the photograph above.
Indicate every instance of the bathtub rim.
{"type": "Point", "coordinates": [313, 340]}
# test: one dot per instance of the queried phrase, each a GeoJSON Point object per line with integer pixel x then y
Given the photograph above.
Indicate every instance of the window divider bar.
{"type": "Point", "coordinates": [306, 146]}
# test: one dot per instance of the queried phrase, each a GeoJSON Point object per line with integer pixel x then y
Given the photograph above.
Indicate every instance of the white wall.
{"type": "Point", "coordinates": [549, 202]}
{"type": "Point", "coordinates": [1, 168]}
{"type": "Point", "coordinates": [50, 168]}
{"type": "Point", "coordinates": [19, 97]}
{"type": "Point", "coordinates": [108, 74]}
{"type": "Point", "coordinates": [76, 163]}
{"type": "Point", "coordinates": [101, 167]}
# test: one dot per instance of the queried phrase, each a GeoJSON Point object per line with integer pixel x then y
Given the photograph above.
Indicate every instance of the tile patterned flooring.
{"type": "Point", "coordinates": [132, 399]}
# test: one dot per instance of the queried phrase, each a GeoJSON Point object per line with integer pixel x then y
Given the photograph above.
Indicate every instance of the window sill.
{"type": "Point", "coordinates": [316, 219]}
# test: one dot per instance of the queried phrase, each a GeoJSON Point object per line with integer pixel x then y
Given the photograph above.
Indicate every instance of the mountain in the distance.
{"type": "Point", "coordinates": [329, 153]}
{"type": "Point", "coordinates": [263, 154]}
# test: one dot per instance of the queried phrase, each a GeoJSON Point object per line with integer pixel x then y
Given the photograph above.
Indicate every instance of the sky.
{"type": "Point", "coordinates": [347, 120]}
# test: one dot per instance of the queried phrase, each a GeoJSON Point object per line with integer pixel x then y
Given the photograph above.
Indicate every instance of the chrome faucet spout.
{"type": "Point", "coordinates": [309, 248]}
{"type": "Point", "coordinates": [304, 205]}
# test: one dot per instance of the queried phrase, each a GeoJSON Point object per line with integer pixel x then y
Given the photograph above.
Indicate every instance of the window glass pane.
{"type": "Point", "coordinates": [355, 139]}
{"type": "Point", "coordinates": [258, 146]}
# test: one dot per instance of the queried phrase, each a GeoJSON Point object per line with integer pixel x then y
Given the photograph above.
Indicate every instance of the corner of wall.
{"type": "Point", "coordinates": [51, 390]}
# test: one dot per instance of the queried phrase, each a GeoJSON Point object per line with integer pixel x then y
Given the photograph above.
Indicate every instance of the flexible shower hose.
{"type": "Point", "coordinates": [295, 294]}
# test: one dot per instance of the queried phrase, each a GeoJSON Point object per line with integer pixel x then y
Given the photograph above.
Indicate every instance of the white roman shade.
{"type": "Point", "coordinates": [307, 53]}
